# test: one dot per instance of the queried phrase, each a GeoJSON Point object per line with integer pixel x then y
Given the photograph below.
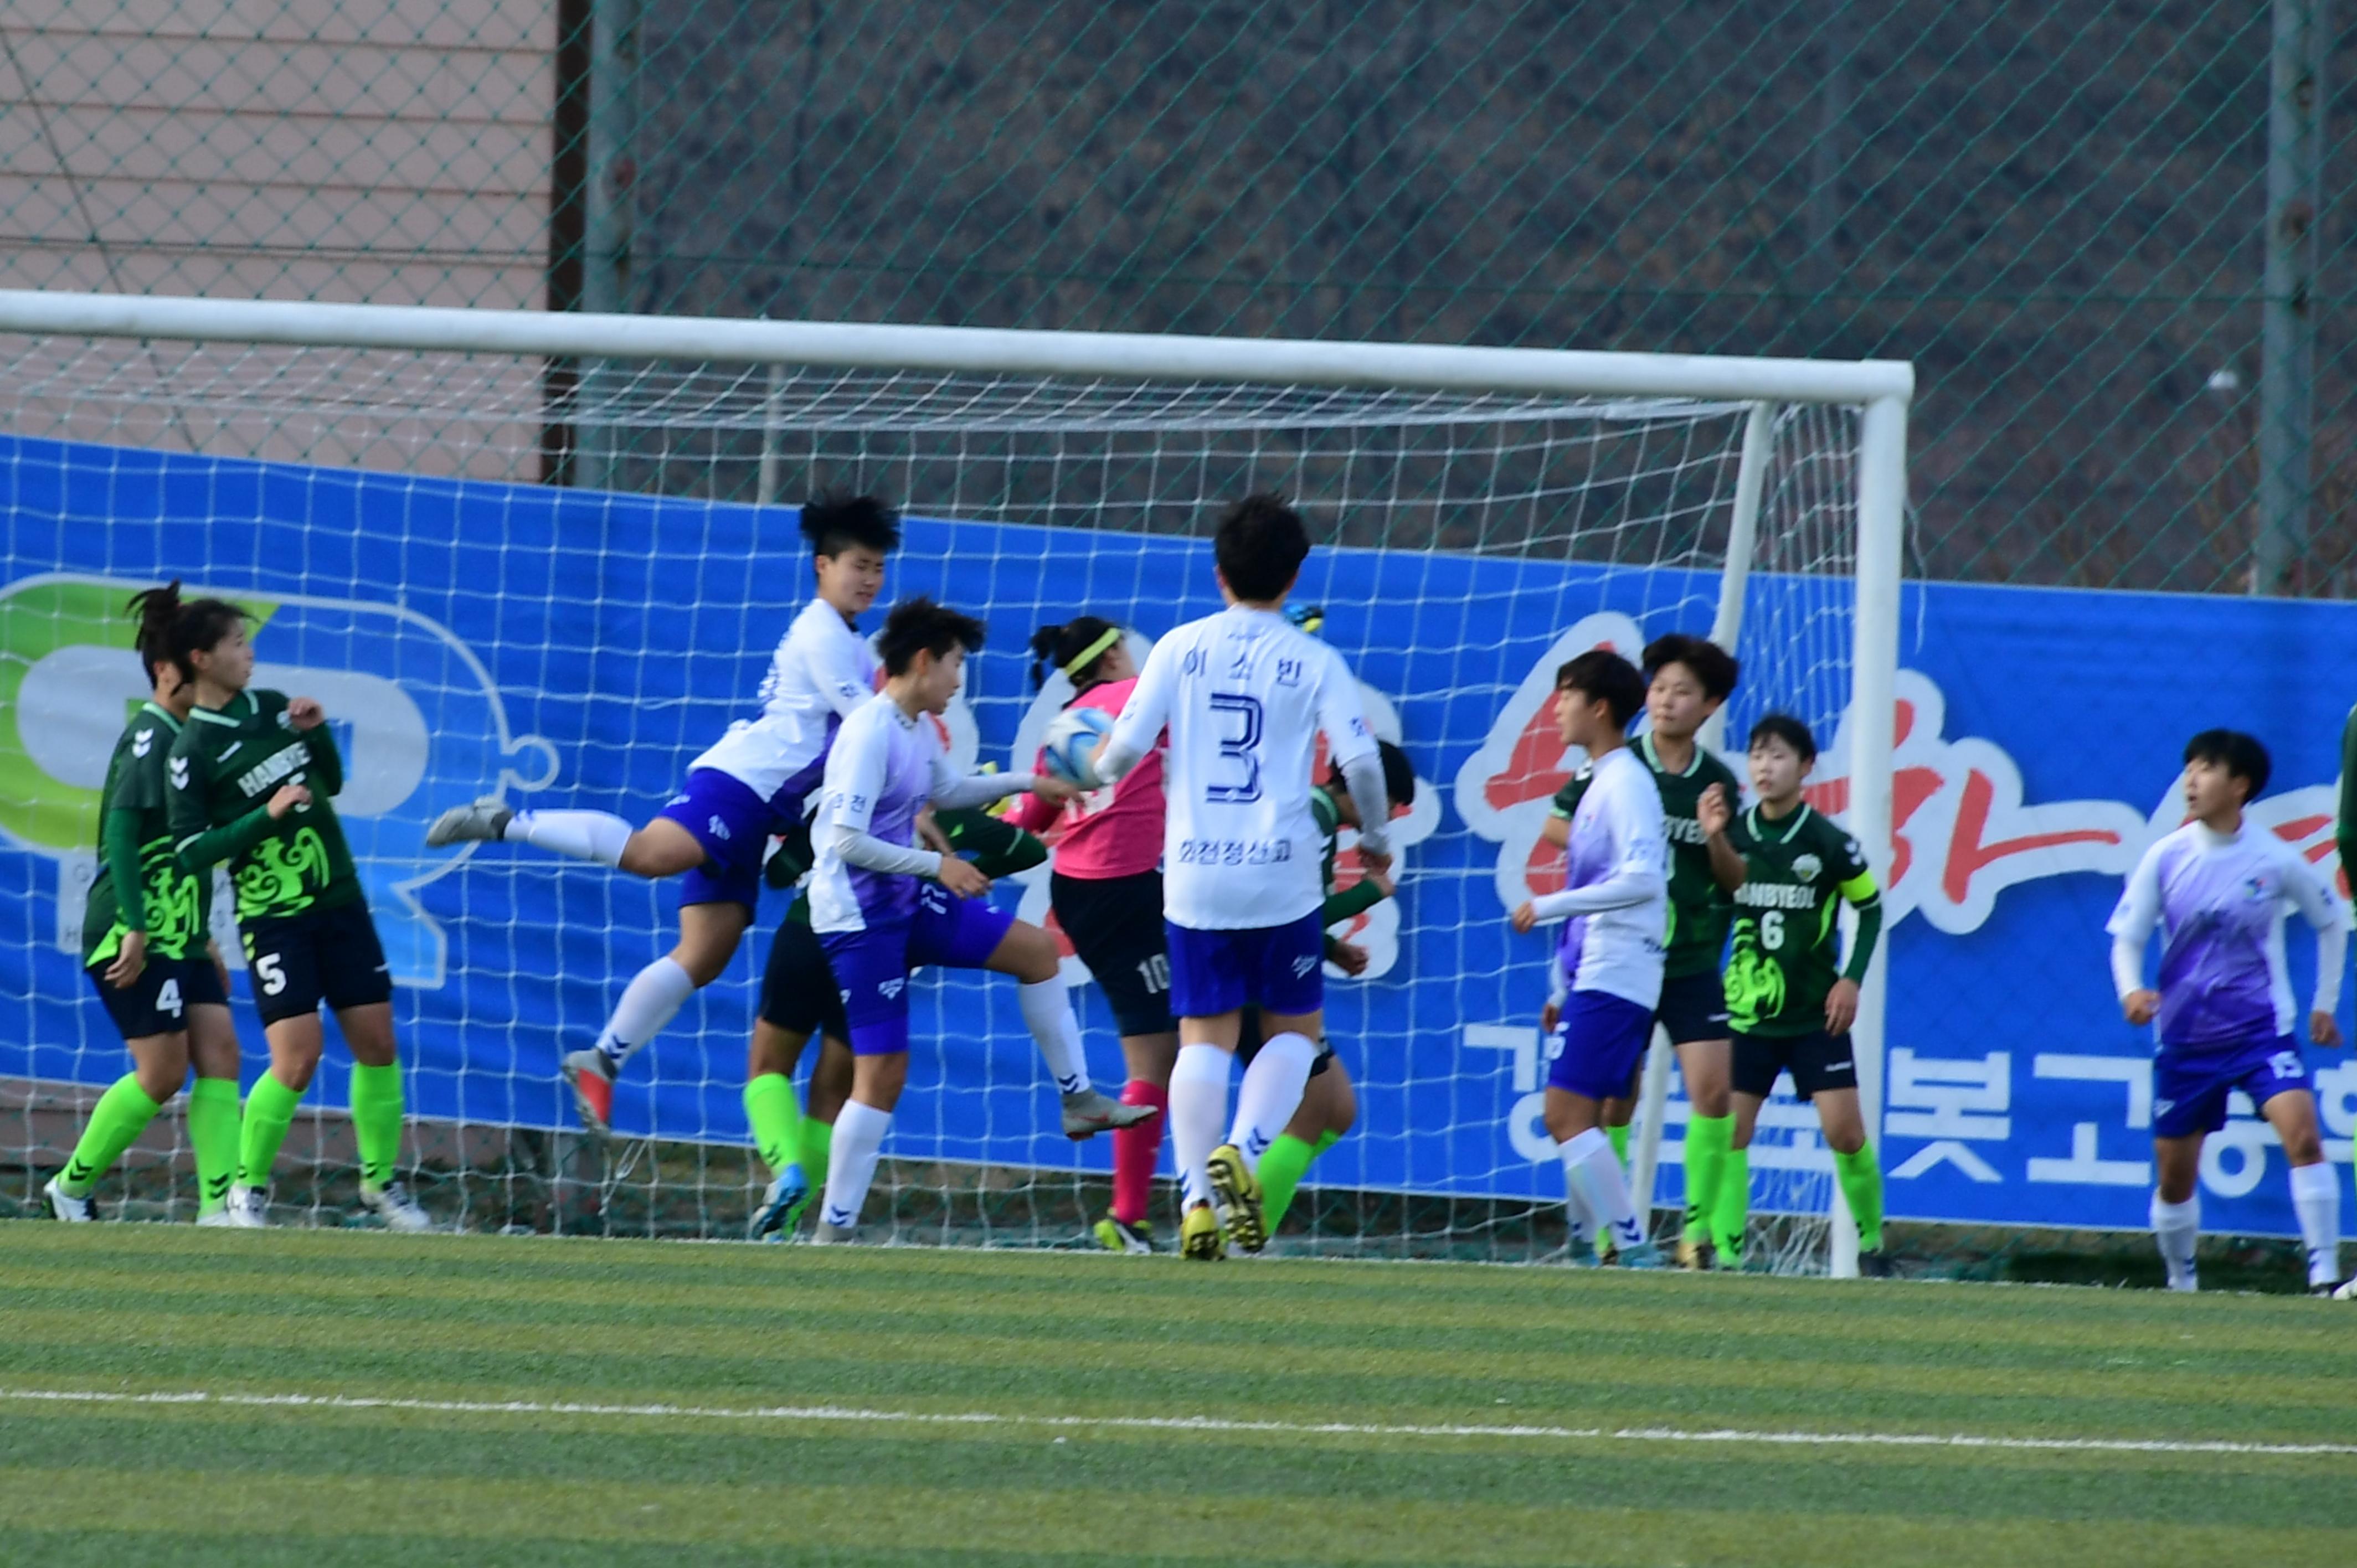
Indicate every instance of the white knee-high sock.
{"type": "Point", "coordinates": [1271, 1094]}
{"type": "Point", "coordinates": [1199, 1103]}
{"type": "Point", "coordinates": [653, 999]}
{"type": "Point", "coordinates": [2175, 1227]}
{"type": "Point", "coordinates": [1577, 1221]}
{"type": "Point", "coordinates": [2316, 1196]}
{"type": "Point", "coordinates": [1047, 1014]}
{"type": "Point", "coordinates": [584, 835]}
{"type": "Point", "coordinates": [1593, 1170]}
{"type": "Point", "coordinates": [851, 1161]}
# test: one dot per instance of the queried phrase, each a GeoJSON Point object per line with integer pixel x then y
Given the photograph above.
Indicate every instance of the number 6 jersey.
{"type": "Point", "coordinates": [1787, 937]}
{"type": "Point", "coordinates": [1242, 696]}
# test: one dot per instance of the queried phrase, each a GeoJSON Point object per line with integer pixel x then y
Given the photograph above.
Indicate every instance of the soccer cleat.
{"type": "Point", "coordinates": [592, 1077]}
{"type": "Point", "coordinates": [2329, 1290]}
{"type": "Point", "coordinates": [1199, 1237]}
{"type": "Point", "coordinates": [65, 1206]}
{"type": "Point", "coordinates": [1089, 1113]}
{"type": "Point", "coordinates": [481, 822]}
{"type": "Point", "coordinates": [1876, 1265]}
{"type": "Point", "coordinates": [1581, 1255]}
{"type": "Point", "coordinates": [1119, 1236]}
{"type": "Point", "coordinates": [2348, 1291]}
{"type": "Point", "coordinates": [1237, 1193]}
{"type": "Point", "coordinates": [1695, 1253]}
{"type": "Point", "coordinates": [393, 1204]}
{"type": "Point", "coordinates": [828, 1235]}
{"type": "Point", "coordinates": [215, 1218]}
{"type": "Point", "coordinates": [248, 1209]}
{"type": "Point", "coordinates": [782, 1206]}
{"type": "Point", "coordinates": [1643, 1255]}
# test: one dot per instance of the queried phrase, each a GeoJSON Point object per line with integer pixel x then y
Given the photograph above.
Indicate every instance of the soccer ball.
{"type": "Point", "coordinates": [1071, 738]}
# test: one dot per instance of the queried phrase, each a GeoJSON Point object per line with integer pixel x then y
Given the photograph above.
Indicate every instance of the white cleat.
{"type": "Point", "coordinates": [247, 1208]}
{"type": "Point", "coordinates": [2348, 1291]}
{"type": "Point", "coordinates": [1089, 1112]}
{"type": "Point", "coordinates": [481, 822]}
{"type": "Point", "coordinates": [217, 1220]}
{"type": "Point", "coordinates": [65, 1206]}
{"type": "Point", "coordinates": [832, 1235]}
{"type": "Point", "coordinates": [393, 1204]}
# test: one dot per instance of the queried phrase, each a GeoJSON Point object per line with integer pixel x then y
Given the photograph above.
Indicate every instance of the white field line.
{"type": "Point", "coordinates": [1207, 1423]}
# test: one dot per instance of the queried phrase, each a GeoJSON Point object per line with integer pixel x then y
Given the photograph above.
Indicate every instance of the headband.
{"type": "Point", "coordinates": [1091, 654]}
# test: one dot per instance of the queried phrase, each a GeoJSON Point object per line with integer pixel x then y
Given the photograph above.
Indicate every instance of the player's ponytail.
{"type": "Point", "coordinates": [1077, 647]}
{"type": "Point", "coordinates": [154, 609]}
{"type": "Point", "coordinates": [198, 627]}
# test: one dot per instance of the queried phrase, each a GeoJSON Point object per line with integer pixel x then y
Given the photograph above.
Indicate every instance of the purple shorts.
{"type": "Point", "coordinates": [872, 967]}
{"type": "Point", "coordinates": [2190, 1088]}
{"type": "Point", "coordinates": [1604, 1038]}
{"type": "Point", "coordinates": [733, 825]}
{"type": "Point", "coordinates": [1278, 969]}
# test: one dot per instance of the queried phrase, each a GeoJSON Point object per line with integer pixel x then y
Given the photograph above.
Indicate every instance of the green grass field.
{"type": "Point", "coordinates": [621, 1403]}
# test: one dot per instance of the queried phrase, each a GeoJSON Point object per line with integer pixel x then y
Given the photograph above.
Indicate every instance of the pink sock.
{"type": "Point", "coordinates": [1135, 1151]}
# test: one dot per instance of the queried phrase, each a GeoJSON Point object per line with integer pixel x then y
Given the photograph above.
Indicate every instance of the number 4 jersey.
{"type": "Point", "coordinates": [1787, 951]}
{"type": "Point", "coordinates": [224, 769]}
{"type": "Point", "coordinates": [1244, 695]}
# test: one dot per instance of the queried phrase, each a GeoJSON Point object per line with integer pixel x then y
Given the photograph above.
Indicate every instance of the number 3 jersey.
{"type": "Point", "coordinates": [1787, 951]}
{"type": "Point", "coordinates": [1242, 696]}
{"type": "Point", "coordinates": [224, 769]}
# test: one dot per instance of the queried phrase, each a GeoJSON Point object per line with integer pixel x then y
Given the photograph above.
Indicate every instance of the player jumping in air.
{"type": "Point", "coordinates": [752, 784]}
{"type": "Point", "coordinates": [1616, 895]}
{"type": "Point", "coordinates": [798, 999]}
{"type": "Point", "coordinates": [1791, 997]}
{"type": "Point", "coordinates": [2218, 888]}
{"type": "Point", "coordinates": [250, 776]}
{"type": "Point", "coordinates": [883, 908]}
{"type": "Point", "coordinates": [1106, 890]}
{"type": "Point", "coordinates": [1242, 696]}
{"type": "Point", "coordinates": [145, 947]}
{"type": "Point", "coordinates": [1688, 679]}
{"type": "Point", "coordinates": [1330, 1107]}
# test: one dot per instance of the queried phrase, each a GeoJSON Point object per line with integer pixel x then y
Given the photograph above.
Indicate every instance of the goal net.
{"type": "Point", "coordinates": [372, 485]}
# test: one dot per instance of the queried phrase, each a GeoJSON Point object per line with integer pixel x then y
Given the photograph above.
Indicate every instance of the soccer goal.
{"type": "Point", "coordinates": [546, 556]}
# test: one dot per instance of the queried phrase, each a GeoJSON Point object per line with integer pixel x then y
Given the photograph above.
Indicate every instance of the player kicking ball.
{"type": "Point", "coordinates": [2218, 888]}
{"type": "Point", "coordinates": [1789, 996]}
{"type": "Point", "coordinates": [883, 908]}
{"type": "Point", "coordinates": [1242, 696]}
{"type": "Point", "coordinates": [750, 785]}
{"type": "Point", "coordinates": [1615, 908]}
{"type": "Point", "coordinates": [1688, 679]}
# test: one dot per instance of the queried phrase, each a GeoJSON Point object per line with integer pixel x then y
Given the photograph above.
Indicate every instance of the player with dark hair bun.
{"type": "Point", "coordinates": [145, 942]}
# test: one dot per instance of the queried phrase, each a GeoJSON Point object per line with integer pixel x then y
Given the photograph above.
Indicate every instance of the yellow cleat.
{"type": "Point", "coordinates": [1199, 1236]}
{"type": "Point", "coordinates": [1694, 1252]}
{"type": "Point", "coordinates": [1237, 1192]}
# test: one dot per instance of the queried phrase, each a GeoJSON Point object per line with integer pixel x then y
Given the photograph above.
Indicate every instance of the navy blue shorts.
{"type": "Point", "coordinates": [733, 824]}
{"type": "Point", "coordinates": [872, 967]}
{"type": "Point", "coordinates": [157, 1001]}
{"type": "Point", "coordinates": [1278, 969]}
{"type": "Point", "coordinates": [2190, 1088]}
{"type": "Point", "coordinates": [1604, 1038]}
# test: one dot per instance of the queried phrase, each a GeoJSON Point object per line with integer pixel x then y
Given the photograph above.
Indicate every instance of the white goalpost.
{"type": "Point", "coordinates": [371, 477]}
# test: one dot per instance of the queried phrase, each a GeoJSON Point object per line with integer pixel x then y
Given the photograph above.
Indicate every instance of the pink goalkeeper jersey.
{"type": "Point", "coordinates": [1107, 832]}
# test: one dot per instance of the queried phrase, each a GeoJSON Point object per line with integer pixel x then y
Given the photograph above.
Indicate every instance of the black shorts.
{"type": "Point", "coordinates": [1115, 924]}
{"type": "Point", "coordinates": [1694, 1007]}
{"type": "Point", "coordinates": [1816, 1060]}
{"type": "Point", "coordinates": [798, 989]}
{"type": "Point", "coordinates": [1248, 1044]}
{"type": "Point", "coordinates": [157, 1001]}
{"type": "Point", "coordinates": [321, 955]}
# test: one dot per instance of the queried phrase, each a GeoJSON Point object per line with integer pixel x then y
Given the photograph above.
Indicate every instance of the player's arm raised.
{"type": "Point", "coordinates": [309, 720]}
{"type": "Point", "coordinates": [1715, 813]}
{"type": "Point", "coordinates": [1143, 718]}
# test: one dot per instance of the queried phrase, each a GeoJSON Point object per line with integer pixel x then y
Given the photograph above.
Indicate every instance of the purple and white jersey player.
{"type": "Point", "coordinates": [2218, 889]}
{"type": "Point", "coordinates": [1243, 696]}
{"type": "Point", "coordinates": [884, 908]}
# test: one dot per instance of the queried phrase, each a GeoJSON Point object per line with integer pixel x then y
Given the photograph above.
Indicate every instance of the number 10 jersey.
{"type": "Point", "coordinates": [1244, 695]}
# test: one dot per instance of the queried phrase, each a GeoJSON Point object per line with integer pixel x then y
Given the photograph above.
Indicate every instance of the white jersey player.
{"type": "Point", "coordinates": [1616, 907]}
{"type": "Point", "coordinates": [754, 782]}
{"type": "Point", "coordinates": [1244, 696]}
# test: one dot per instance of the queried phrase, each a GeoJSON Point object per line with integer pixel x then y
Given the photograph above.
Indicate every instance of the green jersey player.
{"type": "Point", "coordinates": [1789, 995]}
{"type": "Point", "coordinates": [1688, 679]}
{"type": "Point", "coordinates": [250, 776]}
{"type": "Point", "coordinates": [144, 947]}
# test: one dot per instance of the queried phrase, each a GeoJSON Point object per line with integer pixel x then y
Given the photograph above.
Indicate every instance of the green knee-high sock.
{"type": "Point", "coordinates": [269, 1111]}
{"type": "Point", "coordinates": [121, 1114]}
{"type": "Point", "coordinates": [817, 1141]}
{"type": "Point", "coordinates": [1280, 1171]}
{"type": "Point", "coordinates": [212, 1133]}
{"type": "Point", "coordinates": [1732, 1212]}
{"type": "Point", "coordinates": [776, 1119]}
{"type": "Point", "coordinates": [1620, 1136]}
{"type": "Point", "coordinates": [1860, 1176]}
{"type": "Point", "coordinates": [376, 1122]}
{"type": "Point", "coordinates": [1709, 1139]}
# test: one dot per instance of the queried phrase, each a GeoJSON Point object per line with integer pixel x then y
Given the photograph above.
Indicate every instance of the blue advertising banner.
{"type": "Point", "coordinates": [558, 648]}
